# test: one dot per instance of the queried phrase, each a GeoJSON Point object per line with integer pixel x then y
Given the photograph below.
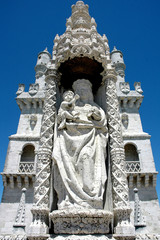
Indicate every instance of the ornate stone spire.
{"type": "Point", "coordinates": [81, 38]}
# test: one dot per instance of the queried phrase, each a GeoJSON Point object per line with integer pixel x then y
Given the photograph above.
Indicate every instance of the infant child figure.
{"type": "Point", "coordinates": [66, 110]}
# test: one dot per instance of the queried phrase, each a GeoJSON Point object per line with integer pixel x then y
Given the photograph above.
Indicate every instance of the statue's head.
{"type": "Point", "coordinates": [83, 88]}
{"type": "Point", "coordinates": [68, 95]}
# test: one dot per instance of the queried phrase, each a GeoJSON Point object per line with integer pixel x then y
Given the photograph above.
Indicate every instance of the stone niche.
{"type": "Point", "coordinates": [76, 219]}
{"type": "Point", "coordinates": [81, 68]}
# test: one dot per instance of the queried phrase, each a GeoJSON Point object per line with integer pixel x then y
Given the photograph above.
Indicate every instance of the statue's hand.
{"type": "Point", "coordinates": [95, 114]}
{"type": "Point", "coordinates": [77, 96]}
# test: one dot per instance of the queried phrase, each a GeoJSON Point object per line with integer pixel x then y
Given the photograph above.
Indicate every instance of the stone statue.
{"type": "Point", "coordinates": [79, 152]}
{"type": "Point", "coordinates": [66, 110]}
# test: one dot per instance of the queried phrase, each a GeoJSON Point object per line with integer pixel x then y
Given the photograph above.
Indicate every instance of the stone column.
{"type": "Point", "coordinates": [120, 189]}
{"type": "Point", "coordinates": [40, 210]}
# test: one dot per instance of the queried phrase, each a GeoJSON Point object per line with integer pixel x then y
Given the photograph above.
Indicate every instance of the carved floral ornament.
{"type": "Point", "coordinates": [138, 88]}
{"type": "Point", "coordinates": [81, 38]}
{"type": "Point", "coordinates": [33, 120]}
{"type": "Point", "coordinates": [125, 120]}
{"type": "Point", "coordinates": [33, 89]}
{"type": "Point", "coordinates": [124, 86]}
{"type": "Point", "coordinates": [21, 88]}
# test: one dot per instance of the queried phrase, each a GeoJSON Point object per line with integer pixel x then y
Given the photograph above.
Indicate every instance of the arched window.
{"type": "Point", "coordinates": [27, 159]}
{"type": "Point", "coordinates": [131, 153]}
{"type": "Point", "coordinates": [28, 154]}
{"type": "Point", "coordinates": [132, 158]}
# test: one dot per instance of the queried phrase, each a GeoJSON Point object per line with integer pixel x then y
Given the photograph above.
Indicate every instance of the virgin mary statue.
{"type": "Point", "coordinates": [79, 152]}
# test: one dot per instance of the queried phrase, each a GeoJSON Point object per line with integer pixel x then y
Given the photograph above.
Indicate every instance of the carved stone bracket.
{"type": "Point", "coordinates": [124, 229]}
{"type": "Point", "coordinates": [39, 225]}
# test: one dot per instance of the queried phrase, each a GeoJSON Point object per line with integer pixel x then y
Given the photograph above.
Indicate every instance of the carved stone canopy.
{"type": "Point", "coordinates": [81, 52]}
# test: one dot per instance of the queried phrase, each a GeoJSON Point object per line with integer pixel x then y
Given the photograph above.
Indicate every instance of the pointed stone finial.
{"type": "Point", "coordinates": [114, 49]}
{"type": "Point", "coordinates": [138, 219]}
{"type": "Point", "coordinates": [45, 50]}
{"type": "Point", "coordinates": [20, 216]}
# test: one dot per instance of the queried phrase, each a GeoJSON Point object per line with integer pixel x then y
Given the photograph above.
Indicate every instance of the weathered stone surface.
{"type": "Point", "coordinates": [79, 153]}
{"type": "Point", "coordinates": [91, 221]}
{"type": "Point", "coordinates": [85, 178]}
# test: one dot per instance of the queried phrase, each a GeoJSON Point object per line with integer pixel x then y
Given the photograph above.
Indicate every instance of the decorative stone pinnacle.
{"type": "Point", "coordinates": [24, 190]}
{"type": "Point", "coordinates": [114, 49]}
{"type": "Point", "coordinates": [20, 216]}
{"type": "Point", "coordinates": [135, 190]}
{"type": "Point", "coordinates": [138, 218]}
{"type": "Point", "coordinates": [45, 50]}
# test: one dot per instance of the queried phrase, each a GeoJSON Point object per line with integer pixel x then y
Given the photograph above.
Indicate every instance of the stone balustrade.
{"type": "Point", "coordinates": [26, 167]}
{"type": "Point", "coordinates": [133, 166]}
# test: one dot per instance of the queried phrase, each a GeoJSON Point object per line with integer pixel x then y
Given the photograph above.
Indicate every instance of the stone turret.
{"type": "Point", "coordinates": [43, 58]}
{"type": "Point", "coordinates": [118, 62]}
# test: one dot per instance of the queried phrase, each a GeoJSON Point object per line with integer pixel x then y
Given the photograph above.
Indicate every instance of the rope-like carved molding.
{"type": "Point", "coordinates": [42, 184]}
{"type": "Point", "coordinates": [46, 140]}
{"type": "Point", "coordinates": [13, 237]}
{"type": "Point", "coordinates": [119, 178]}
{"type": "Point", "coordinates": [40, 208]}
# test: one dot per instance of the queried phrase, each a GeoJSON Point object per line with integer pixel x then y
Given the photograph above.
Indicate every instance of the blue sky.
{"type": "Point", "coordinates": [28, 27]}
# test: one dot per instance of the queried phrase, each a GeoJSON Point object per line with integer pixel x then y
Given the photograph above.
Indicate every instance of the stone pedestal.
{"type": "Point", "coordinates": [89, 221]}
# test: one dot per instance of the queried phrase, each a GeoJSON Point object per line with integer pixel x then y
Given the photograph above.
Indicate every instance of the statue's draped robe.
{"type": "Point", "coordinates": [79, 156]}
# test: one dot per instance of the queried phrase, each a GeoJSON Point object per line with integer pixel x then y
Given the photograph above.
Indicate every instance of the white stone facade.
{"type": "Point", "coordinates": [34, 158]}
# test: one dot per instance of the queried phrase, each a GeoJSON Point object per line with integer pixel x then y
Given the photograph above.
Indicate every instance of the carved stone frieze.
{"type": "Point", "coordinates": [81, 221]}
{"type": "Point", "coordinates": [147, 237]}
{"type": "Point", "coordinates": [21, 179]}
{"type": "Point", "coordinates": [13, 237]}
{"type": "Point", "coordinates": [82, 237]}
